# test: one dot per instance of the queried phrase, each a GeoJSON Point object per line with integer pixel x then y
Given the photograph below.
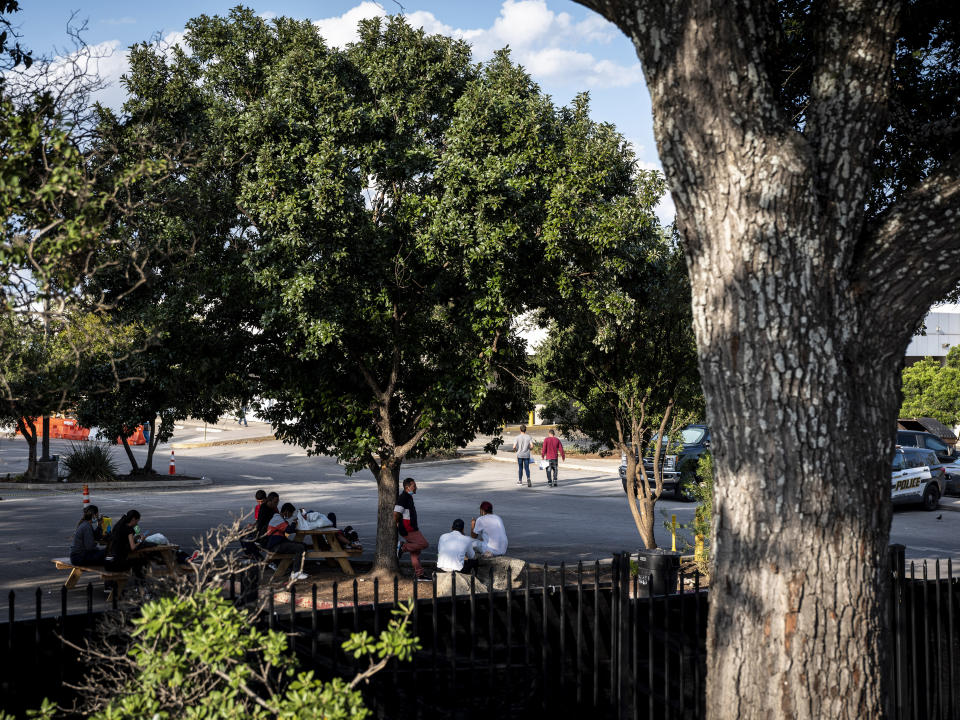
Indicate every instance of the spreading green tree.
{"type": "Point", "coordinates": [619, 361]}
{"type": "Point", "coordinates": [930, 390]}
{"type": "Point", "coordinates": [63, 198]}
{"type": "Point", "coordinates": [41, 368]}
{"type": "Point", "coordinates": [387, 203]}
{"type": "Point", "coordinates": [168, 375]}
{"type": "Point", "coordinates": [812, 151]}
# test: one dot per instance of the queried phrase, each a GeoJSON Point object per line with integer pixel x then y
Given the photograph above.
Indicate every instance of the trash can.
{"type": "Point", "coordinates": [657, 570]}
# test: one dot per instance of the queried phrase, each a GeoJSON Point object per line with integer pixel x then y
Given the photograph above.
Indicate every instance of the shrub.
{"type": "Point", "coordinates": [182, 649]}
{"type": "Point", "coordinates": [90, 462]}
{"type": "Point", "coordinates": [703, 516]}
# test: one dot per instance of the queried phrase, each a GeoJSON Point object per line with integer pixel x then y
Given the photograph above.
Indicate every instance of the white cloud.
{"type": "Point", "coordinates": [341, 30]}
{"type": "Point", "coordinates": [550, 45]}
{"type": "Point", "coordinates": [666, 210]}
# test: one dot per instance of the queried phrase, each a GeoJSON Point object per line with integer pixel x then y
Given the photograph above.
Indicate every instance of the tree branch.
{"type": "Point", "coordinates": [909, 257]}
{"type": "Point", "coordinates": [402, 450]}
{"type": "Point", "coordinates": [855, 43]}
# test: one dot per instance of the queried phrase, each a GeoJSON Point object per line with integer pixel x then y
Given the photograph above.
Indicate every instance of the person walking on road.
{"type": "Point", "coordinates": [521, 446]}
{"type": "Point", "coordinates": [242, 416]}
{"type": "Point", "coordinates": [549, 451]}
{"type": "Point", "coordinates": [411, 539]}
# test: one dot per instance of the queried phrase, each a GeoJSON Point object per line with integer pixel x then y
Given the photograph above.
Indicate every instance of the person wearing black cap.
{"type": "Point", "coordinates": [489, 530]}
{"type": "Point", "coordinates": [455, 551]}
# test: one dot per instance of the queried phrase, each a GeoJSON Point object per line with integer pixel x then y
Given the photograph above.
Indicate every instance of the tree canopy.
{"type": "Point", "coordinates": [619, 359]}
{"type": "Point", "coordinates": [930, 390]}
{"type": "Point", "coordinates": [385, 206]}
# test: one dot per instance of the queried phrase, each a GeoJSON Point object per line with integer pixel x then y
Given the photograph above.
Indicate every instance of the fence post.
{"type": "Point", "coordinates": [11, 601]}
{"type": "Point", "coordinates": [614, 635]}
{"type": "Point", "coordinates": [896, 556]}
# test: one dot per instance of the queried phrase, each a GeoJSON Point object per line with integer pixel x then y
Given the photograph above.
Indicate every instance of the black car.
{"type": "Point", "coordinates": [679, 467]}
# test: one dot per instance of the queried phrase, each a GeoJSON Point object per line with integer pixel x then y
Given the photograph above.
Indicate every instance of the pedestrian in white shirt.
{"type": "Point", "coordinates": [488, 528]}
{"type": "Point", "coordinates": [521, 445]}
{"type": "Point", "coordinates": [455, 550]}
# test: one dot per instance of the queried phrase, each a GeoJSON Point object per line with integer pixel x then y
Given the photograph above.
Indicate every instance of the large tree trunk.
{"type": "Point", "coordinates": [803, 428]}
{"type": "Point", "coordinates": [388, 488]}
{"type": "Point", "coordinates": [151, 445]}
{"type": "Point", "coordinates": [29, 431]}
{"type": "Point", "coordinates": [802, 311]}
{"type": "Point", "coordinates": [135, 467]}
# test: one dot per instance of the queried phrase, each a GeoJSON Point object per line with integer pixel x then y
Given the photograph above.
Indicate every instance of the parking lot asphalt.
{"type": "Point", "coordinates": [585, 519]}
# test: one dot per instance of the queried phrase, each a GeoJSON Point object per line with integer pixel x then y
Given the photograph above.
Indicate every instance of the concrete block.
{"type": "Point", "coordinates": [47, 470]}
{"type": "Point", "coordinates": [503, 567]}
{"type": "Point", "coordinates": [459, 581]}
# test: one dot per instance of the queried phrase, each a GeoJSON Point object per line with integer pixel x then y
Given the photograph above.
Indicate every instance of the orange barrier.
{"type": "Point", "coordinates": [136, 438]}
{"type": "Point", "coordinates": [60, 429]}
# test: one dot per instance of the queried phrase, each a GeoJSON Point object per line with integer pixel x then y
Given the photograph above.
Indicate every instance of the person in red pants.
{"type": "Point", "coordinates": [411, 539]}
{"type": "Point", "coordinates": [551, 449]}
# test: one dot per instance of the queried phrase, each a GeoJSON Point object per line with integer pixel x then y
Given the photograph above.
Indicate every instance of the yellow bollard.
{"type": "Point", "coordinates": [673, 532]}
{"type": "Point", "coordinates": [698, 551]}
{"type": "Point", "coordinates": [531, 418]}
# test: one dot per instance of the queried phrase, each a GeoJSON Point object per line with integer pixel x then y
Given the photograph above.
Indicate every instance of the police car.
{"type": "Point", "coordinates": [917, 477]}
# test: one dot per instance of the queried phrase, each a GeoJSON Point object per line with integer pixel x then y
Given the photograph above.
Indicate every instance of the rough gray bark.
{"type": "Point", "coordinates": [802, 312]}
{"type": "Point", "coordinates": [28, 429]}
{"type": "Point", "coordinates": [388, 487]}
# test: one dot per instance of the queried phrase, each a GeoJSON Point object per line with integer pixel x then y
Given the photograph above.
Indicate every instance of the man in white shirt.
{"type": "Point", "coordinates": [521, 445]}
{"type": "Point", "coordinates": [488, 528]}
{"type": "Point", "coordinates": [455, 550]}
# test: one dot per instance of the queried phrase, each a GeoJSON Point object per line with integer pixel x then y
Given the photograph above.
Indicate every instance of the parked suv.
{"type": "Point", "coordinates": [680, 467]}
{"type": "Point", "coordinates": [917, 477]}
{"type": "Point", "coordinates": [919, 439]}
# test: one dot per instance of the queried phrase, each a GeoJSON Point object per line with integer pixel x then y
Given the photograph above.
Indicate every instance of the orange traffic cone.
{"type": "Point", "coordinates": [173, 464]}
{"type": "Point", "coordinates": [86, 495]}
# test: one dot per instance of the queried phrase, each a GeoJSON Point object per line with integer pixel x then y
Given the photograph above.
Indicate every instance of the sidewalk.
{"type": "Point", "coordinates": [195, 433]}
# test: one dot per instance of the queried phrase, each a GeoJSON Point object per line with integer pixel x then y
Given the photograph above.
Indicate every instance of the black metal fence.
{"type": "Point", "coordinates": [561, 641]}
{"type": "Point", "coordinates": [925, 639]}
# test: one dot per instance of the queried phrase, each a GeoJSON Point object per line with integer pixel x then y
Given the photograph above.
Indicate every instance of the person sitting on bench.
{"type": "Point", "coordinates": [277, 542]}
{"type": "Point", "coordinates": [455, 551]}
{"type": "Point", "coordinates": [84, 550]}
{"type": "Point", "coordinates": [123, 540]}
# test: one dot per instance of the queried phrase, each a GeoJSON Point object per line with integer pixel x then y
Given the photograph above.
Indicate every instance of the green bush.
{"type": "Point", "coordinates": [703, 516]}
{"type": "Point", "coordinates": [90, 462]}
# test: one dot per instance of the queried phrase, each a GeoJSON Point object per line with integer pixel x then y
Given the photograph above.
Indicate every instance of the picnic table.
{"type": "Point", "coordinates": [336, 552]}
{"type": "Point", "coordinates": [166, 553]}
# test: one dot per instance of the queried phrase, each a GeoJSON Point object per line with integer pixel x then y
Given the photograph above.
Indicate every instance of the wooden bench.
{"type": "Point", "coordinates": [118, 578]}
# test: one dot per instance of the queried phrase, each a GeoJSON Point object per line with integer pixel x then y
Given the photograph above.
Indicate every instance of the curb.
{"type": "Point", "coordinates": [146, 484]}
{"type": "Point", "coordinates": [571, 466]}
{"type": "Point", "coordinates": [487, 456]}
{"type": "Point", "coordinates": [516, 427]}
{"type": "Point", "coordinates": [217, 443]}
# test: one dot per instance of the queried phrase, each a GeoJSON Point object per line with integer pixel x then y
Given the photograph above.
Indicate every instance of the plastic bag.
{"type": "Point", "coordinates": [157, 538]}
{"type": "Point", "coordinates": [544, 464]}
{"type": "Point", "coordinates": [312, 520]}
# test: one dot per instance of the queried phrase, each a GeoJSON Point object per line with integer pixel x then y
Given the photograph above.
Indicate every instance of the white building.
{"type": "Point", "coordinates": [941, 332]}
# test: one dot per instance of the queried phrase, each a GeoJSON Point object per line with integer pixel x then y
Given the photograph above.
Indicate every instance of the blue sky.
{"type": "Point", "coordinates": [566, 48]}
